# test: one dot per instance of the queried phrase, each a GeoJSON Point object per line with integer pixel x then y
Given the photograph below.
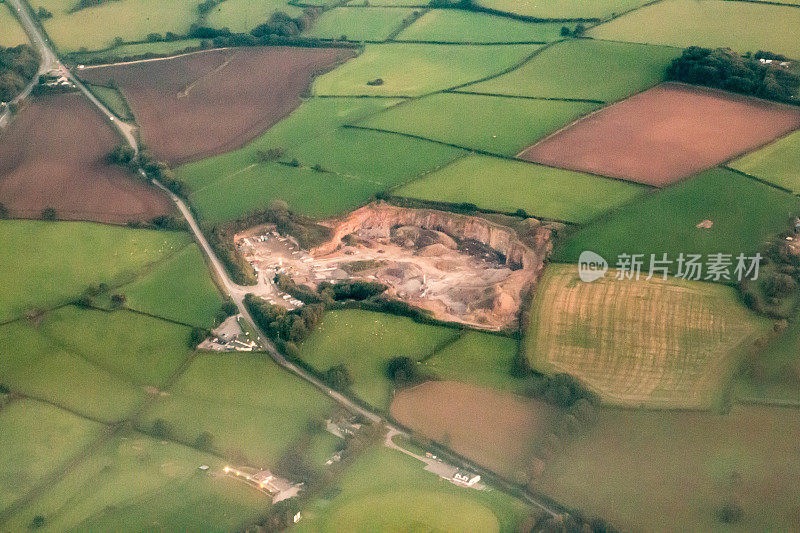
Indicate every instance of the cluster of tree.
{"type": "Point", "coordinates": [281, 324]}
{"type": "Point", "coordinates": [3, 211]}
{"type": "Point", "coordinates": [579, 30]}
{"type": "Point", "coordinates": [775, 292]}
{"type": "Point", "coordinates": [570, 523]}
{"type": "Point", "coordinates": [468, 5]}
{"type": "Point", "coordinates": [162, 222]}
{"type": "Point", "coordinates": [43, 14]}
{"type": "Point", "coordinates": [282, 25]}
{"type": "Point", "coordinates": [270, 154]}
{"type": "Point", "coordinates": [353, 290]}
{"type": "Point", "coordinates": [83, 4]}
{"type": "Point", "coordinates": [18, 65]}
{"type": "Point", "coordinates": [338, 377]}
{"type": "Point", "coordinates": [302, 292]}
{"type": "Point", "coordinates": [205, 7]}
{"type": "Point", "coordinates": [561, 390]}
{"type": "Point", "coordinates": [725, 69]}
{"type": "Point", "coordinates": [124, 156]}
{"type": "Point", "coordinates": [403, 372]}
{"type": "Point", "coordinates": [49, 213]}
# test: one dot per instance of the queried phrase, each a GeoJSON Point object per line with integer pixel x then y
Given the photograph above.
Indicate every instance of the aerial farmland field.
{"type": "Point", "coordinates": [199, 105]}
{"type": "Point", "coordinates": [493, 124]}
{"type": "Point", "coordinates": [11, 33]}
{"type": "Point", "coordinates": [234, 184]}
{"type": "Point", "coordinates": [366, 24]}
{"type": "Point", "coordinates": [399, 265]}
{"type": "Point", "coordinates": [584, 69]}
{"type": "Point", "coordinates": [665, 134]}
{"type": "Point", "coordinates": [506, 185]}
{"type": "Point", "coordinates": [776, 163]}
{"type": "Point", "coordinates": [374, 338]}
{"type": "Point", "coordinates": [497, 430]}
{"type": "Point", "coordinates": [409, 498]}
{"type": "Point", "coordinates": [409, 69]}
{"type": "Point", "coordinates": [63, 167]}
{"type": "Point", "coordinates": [744, 215]}
{"type": "Point", "coordinates": [742, 26]}
{"type": "Point", "coordinates": [656, 343]}
{"type": "Point", "coordinates": [76, 254]}
{"type": "Point", "coordinates": [748, 456]}
{"type": "Point", "coordinates": [134, 481]}
{"type": "Point", "coordinates": [563, 9]}
{"type": "Point", "coordinates": [453, 26]}
{"type": "Point", "coordinates": [257, 421]}
{"type": "Point", "coordinates": [36, 438]}
{"type": "Point", "coordinates": [244, 15]}
{"type": "Point", "coordinates": [129, 20]}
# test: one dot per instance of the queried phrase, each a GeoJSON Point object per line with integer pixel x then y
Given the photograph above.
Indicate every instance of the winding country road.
{"type": "Point", "coordinates": [237, 293]}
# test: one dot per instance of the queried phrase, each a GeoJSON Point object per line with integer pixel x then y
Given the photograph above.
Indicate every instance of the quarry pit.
{"type": "Point", "coordinates": [462, 268]}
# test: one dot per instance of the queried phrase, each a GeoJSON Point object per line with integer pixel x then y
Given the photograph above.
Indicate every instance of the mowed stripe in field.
{"type": "Point", "coordinates": [636, 342]}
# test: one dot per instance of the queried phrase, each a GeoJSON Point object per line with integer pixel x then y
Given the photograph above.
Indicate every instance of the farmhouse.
{"type": "Point", "coordinates": [466, 479]}
{"type": "Point", "coordinates": [265, 481]}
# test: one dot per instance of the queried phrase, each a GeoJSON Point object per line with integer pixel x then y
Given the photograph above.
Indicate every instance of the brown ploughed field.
{"type": "Point", "coordinates": [495, 429]}
{"type": "Point", "coordinates": [53, 155]}
{"type": "Point", "coordinates": [665, 134]}
{"type": "Point", "coordinates": [202, 104]}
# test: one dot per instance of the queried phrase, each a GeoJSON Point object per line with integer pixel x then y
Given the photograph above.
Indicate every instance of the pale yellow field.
{"type": "Point", "coordinates": [652, 343]}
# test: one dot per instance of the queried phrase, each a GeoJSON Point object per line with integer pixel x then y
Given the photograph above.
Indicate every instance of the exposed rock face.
{"type": "Point", "coordinates": [462, 268]}
{"type": "Point", "coordinates": [379, 219]}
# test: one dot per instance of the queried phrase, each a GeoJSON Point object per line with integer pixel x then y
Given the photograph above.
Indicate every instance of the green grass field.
{"type": "Point", "coordinates": [773, 373]}
{"type": "Point", "coordinates": [562, 9]}
{"type": "Point", "coordinates": [365, 342]}
{"type": "Point", "coordinates": [11, 33]}
{"type": "Point", "coordinates": [56, 262]}
{"type": "Point", "coordinates": [135, 483]}
{"type": "Point", "coordinates": [662, 344]}
{"type": "Point", "coordinates": [745, 214]}
{"type": "Point", "coordinates": [584, 69]}
{"type": "Point", "coordinates": [365, 24]}
{"type": "Point", "coordinates": [455, 26]}
{"type": "Point", "coordinates": [777, 163]}
{"type": "Point", "coordinates": [113, 100]}
{"type": "Point", "coordinates": [35, 438]}
{"type": "Point", "coordinates": [252, 408]}
{"type": "Point", "coordinates": [138, 349]}
{"type": "Point", "coordinates": [35, 365]}
{"type": "Point", "coordinates": [353, 165]}
{"type": "Point", "coordinates": [97, 27]}
{"type": "Point", "coordinates": [498, 125]}
{"type": "Point", "coordinates": [137, 49]}
{"type": "Point", "coordinates": [404, 497]}
{"type": "Point", "coordinates": [478, 358]}
{"type": "Point", "coordinates": [179, 289]}
{"type": "Point", "coordinates": [506, 185]}
{"type": "Point", "coordinates": [677, 469]}
{"type": "Point", "coordinates": [416, 69]}
{"type": "Point", "coordinates": [244, 15]}
{"type": "Point", "coordinates": [742, 26]}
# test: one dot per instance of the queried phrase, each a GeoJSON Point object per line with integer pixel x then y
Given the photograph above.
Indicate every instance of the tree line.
{"type": "Point", "coordinates": [18, 64]}
{"type": "Point", "coordinates": [722, 68]}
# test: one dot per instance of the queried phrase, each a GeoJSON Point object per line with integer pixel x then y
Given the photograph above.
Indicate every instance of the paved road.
{"type": "Point", "coordinates": [236, 292]}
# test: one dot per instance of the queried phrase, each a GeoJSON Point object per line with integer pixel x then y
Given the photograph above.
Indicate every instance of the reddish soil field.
{"type": "Point", "coordinates": [53, 155]}
{"type": "Point", "coordinates": [197, 105]}
{"type": "Point", "coordinates": [495, 429]}
{"type": "Point", "coordinates": [665, 134]}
